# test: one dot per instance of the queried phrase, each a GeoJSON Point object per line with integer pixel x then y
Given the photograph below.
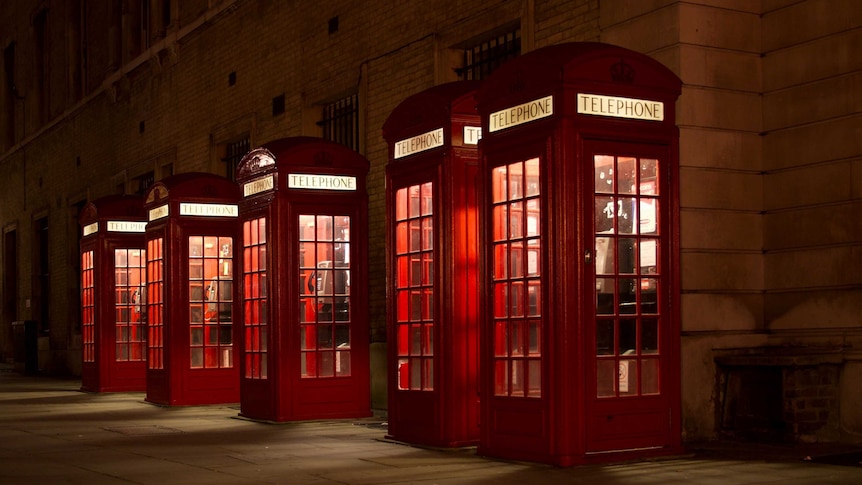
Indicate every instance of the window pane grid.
{"type": "Point", "coordinates": [340, 121]}
{"type": "Point", "coordinates": [517, 263]}
{"type": "Point", "coordinates": [129, 267]}
{"type": "Point", "coordinates": [255, 298]}
{"type": "Point", "coordinates": [155, 304]}
{"type": "Point", "coordinates": [414, 287]}
{"type": "Point", "coordinates": [211, 302]}
{"type": "Point", "coordinates": [483, 58]}
{"type": "Point", "coordinates": [628, 275]}
{"type": "Point", "coordinates": [88, 310]}
{"type": "Point", "coordinates": [325, 310]}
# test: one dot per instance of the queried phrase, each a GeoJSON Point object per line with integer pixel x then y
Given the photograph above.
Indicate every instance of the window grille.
{"type": "Point", "coordinates": [483, 58]}
{"type": "Point", "coordinates": [340, 121]}
{"type": "Point", "coordinates": [233, 153]}
{"type": "Point", "coordinates": [144, 182]}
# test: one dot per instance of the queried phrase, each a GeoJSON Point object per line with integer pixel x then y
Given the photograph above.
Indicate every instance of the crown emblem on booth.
{"type": "Point", "coordinates": [622, 72]}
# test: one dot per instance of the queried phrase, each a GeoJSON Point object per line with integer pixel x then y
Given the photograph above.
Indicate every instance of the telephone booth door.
{"type": "Point", "coordinates": [305, 281]}
{"type": "Point", "coordinates": [579, 169]}
{"type": "Point", "coordinates": [113, 316]}
{"type": "Point", "coordinates": [432, 248]}
{"type": "Point", "coordinates": [191, 236]}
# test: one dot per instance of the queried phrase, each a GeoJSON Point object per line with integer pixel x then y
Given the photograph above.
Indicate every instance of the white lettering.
{"type": "Point", "coordinates": [320, 182]}
{"type": "Point", "coordinates": [472, 135]}
{"type": "Point", "coordinates": [126, 226]}
{"type": "Point", "coordinates": [418, 143]}
{"type": "Point", "coordinates": [258, 185]}
{"type": "Point", "coordinates": [208, 210]}
{"type": "Point", "coordinates": [616, 107]}
{"type": "Point", "coordinates": [91, 229]}
{"type": "Point", "coordinates": [524, 113]}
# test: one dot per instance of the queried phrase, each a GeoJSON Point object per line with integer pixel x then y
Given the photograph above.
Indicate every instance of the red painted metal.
{"type": "Point", "coordinates": [305, 282]}
{"type": "Point", "coordinates": [545, 356]}
{"type": "Point", "coordinates": [192, 315]}
{"type": "Point", "coordinates": [432, 249]}
{"type": "Point", "coordinates": [113, 323]}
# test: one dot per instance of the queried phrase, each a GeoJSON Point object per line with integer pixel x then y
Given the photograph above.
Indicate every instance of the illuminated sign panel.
{"type": "Point", "coordinates": [320, 182]}
{"type": "Point", "coordinates": [91, 229]}
{"type": "Point", "coordinates": [523, 113]}
{"type": "Point", "coordinates": [126, 226]}
{"type": "Point", "coordinates": [472, 135]}
{"type": "Point", "coordinates": [617, 107]}
{"type": "Point", "coordinates": [158, 212]}
{"type": "Point", "coordinates": [419, 143]}
{"type": "Point", "coordinates": [208, 210]}
{"type": "Point", "coordinates": [258, 185]}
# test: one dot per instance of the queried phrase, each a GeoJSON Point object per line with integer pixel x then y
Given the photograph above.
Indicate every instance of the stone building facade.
{"type": "Point", "coordinates": [102, 97]}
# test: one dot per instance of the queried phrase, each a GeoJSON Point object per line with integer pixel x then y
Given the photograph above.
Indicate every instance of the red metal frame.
{"type": "Point", "coordinates": [305, 281]}
{"type": "Point", "coordinates": [530, 112]}
{"type": "Point", "coordinates": [192, 314]}
{"type": "Point", "coordinates": [432, 248]}
{"type": "Point", "coordinates": [111, 279]}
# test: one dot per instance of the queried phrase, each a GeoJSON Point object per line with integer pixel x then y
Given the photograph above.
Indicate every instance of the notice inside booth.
{"type": "Point", "coordinates": [304, 269]}
{"type": "Point", "coordinates": [191, 234]}
{"type": "Point", "coordinates": [580, 240]}
{"type": "Point", "coordinates": [432, 248]}
{"type": "Point", "coordinates": [113, 295]}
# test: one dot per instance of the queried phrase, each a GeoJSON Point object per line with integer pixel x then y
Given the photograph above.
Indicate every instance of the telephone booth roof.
{"type": "Point", "coordinates": [430, 109]}
{"type": "Point", "coordinates": [122, 207]}
{"type": "Point", "coordinates": [193, 186]}
{"type": "Point", "coordinates": [601, 69]}
{"type": "Point", "coordinates": [302, 153]}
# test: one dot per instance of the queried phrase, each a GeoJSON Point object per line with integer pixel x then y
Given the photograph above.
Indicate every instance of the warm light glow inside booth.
{"type": "Point", "coordinates": [579, 213]}
{"type": "Point", "coordinates": [191, 326]}
{"type": "Point", "coordinates": [432, 248]}
{"type": "Point", "coordinates": [113, 316]}
{"type": "Point", "coordinates": [304, 220]}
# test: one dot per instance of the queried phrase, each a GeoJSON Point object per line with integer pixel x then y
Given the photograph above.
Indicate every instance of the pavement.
{"type": "Point", "coordinates": [52, 433]}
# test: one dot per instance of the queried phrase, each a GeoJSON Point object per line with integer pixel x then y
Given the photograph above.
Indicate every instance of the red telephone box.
{"type": "Point", "coordinates": [304, 218]}
{"type": "Point", "coordinates": [432, 247]}
{"type": "Point", "coordinates": [113, 316]}
{"type": "Point", "coordinates": [580, 319]}
{"type": "Point", "coordinates": [191, 233]}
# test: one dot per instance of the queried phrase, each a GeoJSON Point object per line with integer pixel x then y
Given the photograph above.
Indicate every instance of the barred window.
{"type": "Point", "coordinates": [340, 121]}
{"type": "Point", "coordinates": [144, 182]}
{"type": "Point", "coordinates": [233, 153]}
{"type": "Point", "coordinates": [484, 57]}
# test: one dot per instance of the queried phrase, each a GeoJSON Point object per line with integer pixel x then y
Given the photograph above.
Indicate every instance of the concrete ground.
{"type": "Point", "coordinates": [51, 433]}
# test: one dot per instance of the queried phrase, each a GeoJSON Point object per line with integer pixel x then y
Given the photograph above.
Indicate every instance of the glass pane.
{"type": "Point", "coordinates": [626, 215]}
{"type": "Point", "coordinates": [649, 255]}
{"type": "Point", "coordinates": [517, 377]}
{"type": "Point", "coordinates": [326, 364]}
{"type": "Point", "coordinates": [605, 337]}
{"type": "Point", "coordinates": [516, 254]}
{"type": "Point", "coordinates": [415, 374]}
{"type": "Point", "coordinates": [501, 260]}
{"type": "Point", "coordinates": [196, 249]}
{"type": "Point", "coordinates": [649, 336]}
{"type": "Point", "coordinates": [501, 338]}
{"type": "Point", "coordinates": [649, 295]}
{"type": "Point", "coordinates": [403, 374]}
{"type": "Point", "coordinates": [605, 296]}
{"type": "Point", "coordinates": [604, 170]}
{"type": "Point", "coordinates": [498, 184]}
{"type": "Point", "coordinates": [605, 378]}
{"type": "Point", "coordinates": [531, 169]}
{"type": "Point", "coordinates": [501, 300]}
{"type": "Point", "coordinates": [534, 378]}
{"type": "Point", "coordinates": [197, 357]}
{"type": "Point", "coordinates": [516, 344]}
{"type": "Point", "coordinates": [306, 227]}
{"type": "Point", "coordinates": [501, 222]}
{"type": "Point", "coordinates": [211, 247]}
{"type": "Point", "coordinates": [501, 377]}
{"type": "Point", "coordinates": [648, 216]}
{"type": "Point", "coordinates": [535, 337]}
{"type": "Point", "coordinates": [516, 174]}
{"type": "Point", "coordinates": [324, 337]}
{"type": "Point", "coordinates": [324, 228]}
{"type": "Point", "coordinates": [516, 218]}
{"type": "Point", "coordinates": [604, 255]}
{"type": "Point", "coordinates": [649, 376]}
{"type": "Point", "coordinates": [427, 199]}
{"type": "Point", "coordinates": [626, 174]}
{"type": "Point", "coordinates": [427, 234]}
{"type": "Point", "coordinates": [533, 218]}
{"type": "Point", "coordinates": [628, 374]}
{"type": "Point", "coordinates": [604, 213]}
{"type": "Point", "coordinates": [401, 204]}
{"type": "Point", "coordinates": [428, 341]}
{"type": "Point", "coordinates": [628, 337]}
{"type": "Point", "coordinates": [627, 255]}
{"type": "Point", "coordinates": [628, 296]}
{"type": "Point", "coordinates": [649, 176]}
{"type": "Point", "coordinates": [427, 374]}
{"type": "Point", "coordinates": [342, 363]}
{"type": "Point", "coordinates": [534, 298]}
